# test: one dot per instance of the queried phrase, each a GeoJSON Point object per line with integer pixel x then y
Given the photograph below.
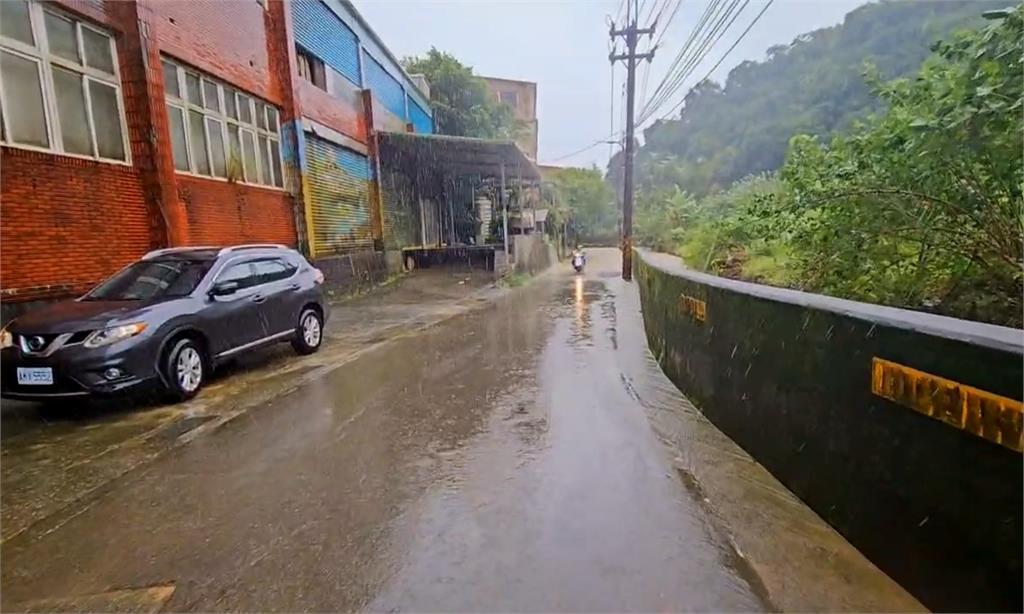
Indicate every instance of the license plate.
{"type": "Point", "coordinates": [35, 376]}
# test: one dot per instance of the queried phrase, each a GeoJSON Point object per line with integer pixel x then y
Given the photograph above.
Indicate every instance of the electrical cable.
{"type": "Point", "coordinates": [668, 22]}
{"type": "Point", "coordinates": [721, 27]}
{"type": "Point", "coordinates": [701, 22]}
{"type": "Point", "coordinates": [697, 54]}
{"type": "Point", "coordinates": [721, 59]}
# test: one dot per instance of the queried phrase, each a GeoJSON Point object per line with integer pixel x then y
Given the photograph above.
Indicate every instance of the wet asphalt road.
{"type": "Point", "coordinates": [499, 461]}
{"type": "Point", "coordinates": [505, 459]}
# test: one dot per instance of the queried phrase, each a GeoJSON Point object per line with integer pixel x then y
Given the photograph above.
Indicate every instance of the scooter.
{"type": "Point", "coordinates": [578, 262]}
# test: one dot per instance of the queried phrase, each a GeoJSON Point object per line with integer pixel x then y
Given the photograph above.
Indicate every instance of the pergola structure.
{"type": "Point", "coordinates": [435, 180]}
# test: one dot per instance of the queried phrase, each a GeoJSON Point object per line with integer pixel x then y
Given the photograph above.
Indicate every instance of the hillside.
{"type": "Point", "coordinates": [815, 85]}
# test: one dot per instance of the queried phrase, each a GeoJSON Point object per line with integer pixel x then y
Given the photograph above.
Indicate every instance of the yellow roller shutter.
{"type": "Point", "coordinates": [337, 190]}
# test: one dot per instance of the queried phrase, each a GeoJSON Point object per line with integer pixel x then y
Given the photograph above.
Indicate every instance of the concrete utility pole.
{"type": "Point", "coordinates": [631, 32]}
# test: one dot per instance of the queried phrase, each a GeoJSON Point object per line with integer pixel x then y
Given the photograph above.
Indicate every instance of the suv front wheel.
{"type": "Point", "coordinates": [184, 370]}
{"type": "Point", "coordinates": [309, 333]}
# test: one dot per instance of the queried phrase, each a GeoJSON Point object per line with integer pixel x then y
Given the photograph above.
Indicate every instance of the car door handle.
{"type": "Point", "coordinates": [258, 298]}
{"type": "Point", "coordinates": [294, 287]}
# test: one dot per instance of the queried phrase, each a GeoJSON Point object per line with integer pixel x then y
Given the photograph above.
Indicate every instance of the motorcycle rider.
{"type": "Point", "coordinates": [579, 259]}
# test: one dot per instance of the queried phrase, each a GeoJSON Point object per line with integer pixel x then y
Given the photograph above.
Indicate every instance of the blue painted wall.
{"type": "Point", "coordinates": [344, 10]}
{"type": "Point", "coordinates": [421, 120]}
{"type": "Point", "coordinates": [321, 32]}
{"type": "Point", "coordinates": [385, 87]}
{"type": "Point", "coordinates": [354, 163]}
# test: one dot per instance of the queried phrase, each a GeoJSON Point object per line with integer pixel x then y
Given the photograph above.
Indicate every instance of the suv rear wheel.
{"type": "Point", "coordinates": [184, 369]}
{"type": "Point", "coordinates": [309, 333]}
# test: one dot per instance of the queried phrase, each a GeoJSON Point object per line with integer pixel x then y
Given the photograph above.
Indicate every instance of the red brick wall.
{"type": "Point", "coordinates": [342, 114]}
{"type": "Point", "coordinates": [67, 222]}
{"type": "Point", "coordinates": [226, 38]}
{"type": "Point", "coordinates": [218, 212]}
{"type": "Point", "coordinates": [221, 213]}
{"type": "Point", "coordinates": [94, 10]}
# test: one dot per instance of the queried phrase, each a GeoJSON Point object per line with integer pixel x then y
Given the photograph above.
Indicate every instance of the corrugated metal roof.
{"type": "Point", "coordinates": [455, 155]}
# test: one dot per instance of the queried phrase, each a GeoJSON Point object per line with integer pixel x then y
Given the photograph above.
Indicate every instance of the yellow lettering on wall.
{"type": "Point", "coordinates": [991, 416]}
{"type": "Point", "coordinates": [694, 307]}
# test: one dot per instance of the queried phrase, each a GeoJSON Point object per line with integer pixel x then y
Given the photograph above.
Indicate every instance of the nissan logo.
{"type": "Point", "coordinates": [36, 343]}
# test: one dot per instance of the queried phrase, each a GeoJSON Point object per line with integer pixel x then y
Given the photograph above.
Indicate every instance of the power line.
{"type": "Point", "coordinates": [650, 13]}
{"type": "Point", "coordinates": [618, 11]}
{"type": "Point", "coordinates": [614, 135]}
{"type": "Point", "coordinates": [721, 59]}
{"type": "Point", "coordinates": [718, 31]}
{"type": "Point", "coordinates": [609, 139]}
{"type": "Point", "coordinates": [722, 20]}
{"type": "Point", "coordinates": [701, 23]}
{"type": "Point", "coordinates": [668, 22]}
{"type": "Point", "coordinates": [651, 19]}
{"type": "Point", "coordinates": [622, 110]}
{"type": "Point", "coordinates": [661, 11]}
{"type": "Point", "coordinates": [643, 80]}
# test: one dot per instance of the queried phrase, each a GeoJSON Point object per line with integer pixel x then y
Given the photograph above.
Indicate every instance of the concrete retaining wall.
{"type": "Point", "coordinates": [349, 273]}
{"type": "Point", "coordinates": [901, 429]}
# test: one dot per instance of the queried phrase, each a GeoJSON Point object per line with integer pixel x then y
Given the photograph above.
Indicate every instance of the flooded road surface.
{"type": "Point", "coordinates": [502, 461]}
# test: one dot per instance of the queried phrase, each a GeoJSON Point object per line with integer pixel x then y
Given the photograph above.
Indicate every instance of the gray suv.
{"type": "Point", "coordinates": [165, 321]}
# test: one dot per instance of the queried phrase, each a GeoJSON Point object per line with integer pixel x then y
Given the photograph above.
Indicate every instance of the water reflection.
{"type": "Point", "coordinates": [581, 302]}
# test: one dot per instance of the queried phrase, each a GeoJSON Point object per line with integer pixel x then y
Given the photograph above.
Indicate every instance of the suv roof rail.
{"type": "Point", "coordinates": [235, 248]}
{"type": "Point", "coordinates": [172, 250]}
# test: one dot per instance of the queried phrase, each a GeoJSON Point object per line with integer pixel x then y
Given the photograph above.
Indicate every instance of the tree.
{"type": "Point", "coordinates": [589, 199]}
{"type": "Point", "coordinates": [923, 204]}
{"type": "Point", "coordinates": [462, 105]}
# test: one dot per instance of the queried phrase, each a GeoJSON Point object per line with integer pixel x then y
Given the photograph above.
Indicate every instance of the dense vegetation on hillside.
{"type": "Point", "coordinates": [918, 204]}
{"type": "Point", "coordinates": [812, 86]}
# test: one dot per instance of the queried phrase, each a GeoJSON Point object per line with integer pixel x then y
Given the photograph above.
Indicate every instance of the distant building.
{"type": "Point", "coordinates": [522, 97]}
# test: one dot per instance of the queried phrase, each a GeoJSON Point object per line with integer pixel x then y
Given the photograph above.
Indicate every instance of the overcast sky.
{"type": "Point", "coordinates": [562, 45]}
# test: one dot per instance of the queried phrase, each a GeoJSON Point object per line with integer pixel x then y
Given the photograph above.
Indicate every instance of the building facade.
{"type": "Point", "coordinates": [127, 125]}
{"type": "Point", "coordinates": [522, 97]}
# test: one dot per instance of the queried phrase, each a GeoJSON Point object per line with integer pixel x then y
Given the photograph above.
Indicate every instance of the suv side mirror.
{"type": "Point", "coordinates": [224, 288]}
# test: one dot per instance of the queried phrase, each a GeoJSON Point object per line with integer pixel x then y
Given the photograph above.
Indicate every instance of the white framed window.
{"type": "Point", "coordinates": [218, 131]}
{"type": "Point", "coordinates": [60, 86]}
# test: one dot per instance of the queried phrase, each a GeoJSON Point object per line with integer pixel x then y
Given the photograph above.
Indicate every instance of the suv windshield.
{"type": "Point", "coordinates": [151, 279]}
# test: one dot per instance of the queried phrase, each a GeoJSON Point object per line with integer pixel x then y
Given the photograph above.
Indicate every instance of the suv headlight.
{"type": "Point", "coordinates": [6, 338]}
{"type": "Point", "coordinates": [113, 334]}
